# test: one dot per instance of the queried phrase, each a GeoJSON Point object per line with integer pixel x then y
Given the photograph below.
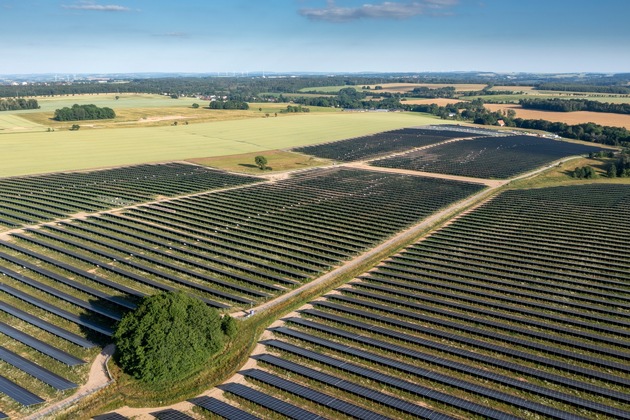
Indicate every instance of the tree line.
{"type": "Point", "coordinates": [84, 112]}
{"type": "Point", "coordinates": [475, 111]}
{"type": "Point", "coordinates": [571, 105]}
{"type": "Point", "coordinates": [578, 87]}
{"type": "Point", "coordinates": [12, 104]}
{"type": "Point", "coordinates": [621, 167]}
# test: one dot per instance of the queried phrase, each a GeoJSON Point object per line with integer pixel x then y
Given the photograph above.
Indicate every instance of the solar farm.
{"type": "Point", "coordinates": [510, 310]}
{"type": "Point", "coordinates": [506, 313]}
{"type": "Point", "coordinates": [486, 157]}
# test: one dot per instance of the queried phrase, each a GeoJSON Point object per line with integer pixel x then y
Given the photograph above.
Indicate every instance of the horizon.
{"type": "Point", "coordinates": [313, 37]}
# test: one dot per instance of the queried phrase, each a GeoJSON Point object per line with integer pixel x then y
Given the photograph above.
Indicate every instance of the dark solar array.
{"type": "Point", "coordinates": [487, 157]}
{"type": "Point", "coordinates": [170, 414]}
{"type": "Point", "coordinates": [30, 199]}
{"type": "Point", "coordinates": [382, 144]}
{"type": "Point", "coordinates": [36, 371]}
{"type": "Point", "coordinates": [222, 409]}
{"type": "Point", "coordinates": [514, 310]}
{"type": "Point", "coordinates": [269, 402]}
{"type": "Point", "coordinates": [110, 416]}
{"type": "Point", "coordinates": [18, 393]}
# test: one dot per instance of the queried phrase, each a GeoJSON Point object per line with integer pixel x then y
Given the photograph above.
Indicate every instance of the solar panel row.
{"type": "Point", "coordinates": [222, 409]}
{"type": "Point", "coordinates": [18, 393]}
{"type": "Point", "coordinates": [36, 371]}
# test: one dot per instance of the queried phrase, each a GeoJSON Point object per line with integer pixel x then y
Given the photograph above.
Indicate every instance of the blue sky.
{"type": "Point", "coordinates": [103, 36]}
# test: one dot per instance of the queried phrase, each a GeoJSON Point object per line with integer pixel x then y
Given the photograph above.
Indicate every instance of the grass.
{"type": "Point", "coordinates": [278, 160]}
{"type": "Point", "coordinates": [559, 175]}
{"type": "Point", "coordinates": [86, 149]}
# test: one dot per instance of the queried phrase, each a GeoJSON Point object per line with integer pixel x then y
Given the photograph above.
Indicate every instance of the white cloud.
{"type": "Point", "coordinates": [385, 10]}
{"type": "Point", "coordinates": [89, 5]}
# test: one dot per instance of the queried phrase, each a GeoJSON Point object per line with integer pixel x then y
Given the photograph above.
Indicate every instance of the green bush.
{"type": "Point", "coordinates": [167, 337]}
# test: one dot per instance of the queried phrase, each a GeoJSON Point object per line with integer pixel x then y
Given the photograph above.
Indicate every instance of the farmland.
{"type": "Point", "coordinates": [578, 117]}
{"type": "Point", "coordinates": [512, 311]}
{"type": "Point", "coordinates": [486, 157]}
{"type": "Point", "coordinates": [63, 151]}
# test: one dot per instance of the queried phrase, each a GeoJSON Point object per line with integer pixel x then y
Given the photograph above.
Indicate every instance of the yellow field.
{"type": "Point", "coordinates": [437, 101]}
{"type": "Point", "coordinates": [578, 117]}
{"type": "Point", "coordinates": [277, 160]}
{"type": "Point", "coordinates": [31, 153]}
{"type": "Point", "coordinates": [10, 123]}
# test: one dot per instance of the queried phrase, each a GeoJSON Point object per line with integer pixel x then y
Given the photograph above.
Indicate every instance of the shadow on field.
{"type": "Point", "coordinates": [100, 321]}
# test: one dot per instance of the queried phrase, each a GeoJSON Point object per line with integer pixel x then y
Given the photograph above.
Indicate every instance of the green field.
{"type": "Point", "coordinates": [126, 100]}
{"type": "Point", "coordinates": [32, 153]}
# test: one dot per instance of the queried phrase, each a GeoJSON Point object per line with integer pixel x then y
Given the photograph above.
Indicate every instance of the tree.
{"type": "Point", "coordinates": [167, 337]}
{"type": "Point", "coordinates": [75, 127]}
{"type": "Point", "coordinates": [612, 171]}
{"type": "Point", "coordinates": [195, 105]}
{"type": "Point", "coordinates": [229, 326]}
{"type": "Point", "coordinates": [261, 162]}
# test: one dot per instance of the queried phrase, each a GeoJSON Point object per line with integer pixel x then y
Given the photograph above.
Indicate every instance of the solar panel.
{"type": "Point", "coordinates": [3, 416]}
{"type": "Point", "coordinates": [18, 393]}
{"type": "Point", "coordinates": [170, 414]}
{"type": "Point", "coordinates": [40, 346]}
{"type": "Point", "coordinates": [61, 295]}
{"type": "Point", "coordinates": [110, 416]}
{"type": "Point", "coordinates": [353, 388]}
{"type": "Point", "coordinates": [222, 409]}
{"type": "Point", "coordinates": [482, 373]}
{"type": "Point", "coordinates": [46, 326]}
{"type": "Point", "coordinates": [269, 402]}
{"type": "Point", "coordinates": [55, 310]}
{"type": "Point", "coordinates": [485, 391]}
{"type": "Point", "coordinates": [312, 395]}
{"type": "Point", "coordinates": [36, 371]}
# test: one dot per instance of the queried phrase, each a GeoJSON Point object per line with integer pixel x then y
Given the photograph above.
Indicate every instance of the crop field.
{"type": "Point", "coordinates": [512, 311]}
{"type": "Point", "coordinates": [381, 144]}
{"type": "Point", "coordinates": [577, 117]}
{"type": "Point", "coordinates": [65, 151]}
{"type": "Point", "coordinates": [34, 199]}
{"type": "Point", "coordinates": [10, 123]}
{"type": "Point", "coordinates": [126, 100]}
{"type": "Point", "coordinates": [487, 157]}
{"type": "Point", "coordinates": [232, 249]}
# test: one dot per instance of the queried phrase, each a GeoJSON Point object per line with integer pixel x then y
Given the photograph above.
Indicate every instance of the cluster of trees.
{"type": "Point", "coordinates": [584, 172]}
{"type": "Point", "coordinates": [570, 105]}
{"type": "Point", "coordinates": [17, 104]}
{"type": "Point", "coordinates": [169, 336]}
{"type": "Point", "coordinates": [296, 108]}
{"type": "Point", "coordinates": [229, 104]}
{"type": "Point", "coordinates": [475, 111]}
{"type": "Point", "coordinates": [620, 168]}
{"type": "Point", "coordinates": [84, 112]}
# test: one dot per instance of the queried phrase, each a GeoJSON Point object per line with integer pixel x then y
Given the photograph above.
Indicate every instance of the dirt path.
{"type": "Point", "coordinates": [97, 379]}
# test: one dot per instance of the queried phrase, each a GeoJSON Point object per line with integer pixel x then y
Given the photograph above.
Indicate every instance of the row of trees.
{"type": "Point", "coordinates": [580, 87]}
{"type": "Point", "coordinates": [475, 111]}
{"type": "Point", "coordinates": [570, 105]}
{"type": "Point", "coordinates": [84, 112]}
{"type": "Point", "coordinates": [12, 104]}
{"type": "Point", "coordinates": [584, 172]}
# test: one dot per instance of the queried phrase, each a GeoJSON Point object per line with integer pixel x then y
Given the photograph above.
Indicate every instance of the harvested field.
{"type": "Point", "coordinates": [578, 117]}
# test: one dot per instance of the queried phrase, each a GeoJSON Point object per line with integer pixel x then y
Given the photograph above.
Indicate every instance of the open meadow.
{"type": "Point", "coordinates": [64, 151]}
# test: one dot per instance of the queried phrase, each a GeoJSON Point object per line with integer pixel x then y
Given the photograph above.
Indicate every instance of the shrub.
{"type": "Point", "coordinates": [167, 337]}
